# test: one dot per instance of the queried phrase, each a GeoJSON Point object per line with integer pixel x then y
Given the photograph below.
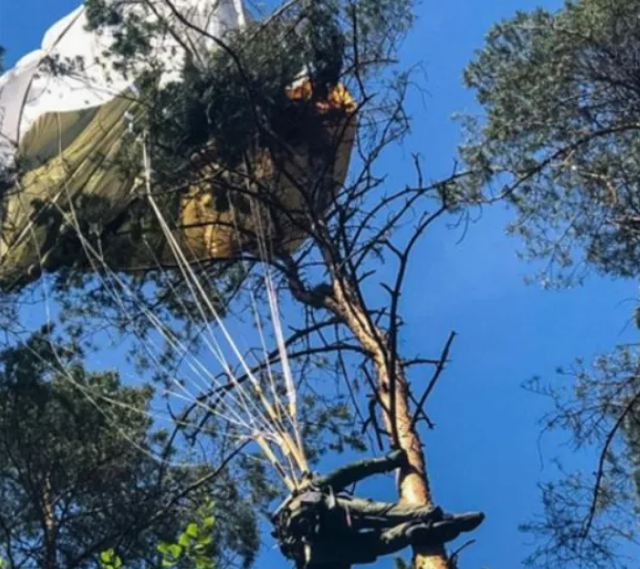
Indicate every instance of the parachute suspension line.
{"type": "Point", "coordinates": [152, 318]}
{"type": "Point", "coordinates": [87, 394]}
{"type": "Point", "coordinates": [252, 406]}
{"type": "Point", "coordinates": [259, 434]}
{"type": "Point", "coordinates": [198, 293]}
{"type": "Point", "coordinates": [194, 363]}
{"type": "Point", "coordinates": [259, 427]}
{"type": "Point", "coordinates": [275, 411]}
{"type": "Point", "coordinates": [93, 400]}
{"type": "Point", "coordinates": [276, 431]}
{"type": "Point", "coordinates": [258, 320]}
{"type": "Point", "coordinates": [91, 253]}
{"type": "Point", "coordinates": [293, 449]}
{"type": "Point", "coordinates": [61, 366]}
{"type": "Point", "coordinates": [246, 402]}
{"type": "Point", "coordinates": [265, 256]}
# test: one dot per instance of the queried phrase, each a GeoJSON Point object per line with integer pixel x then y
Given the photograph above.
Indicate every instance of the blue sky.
{"type": "Point", "coordinates": [484, 454]}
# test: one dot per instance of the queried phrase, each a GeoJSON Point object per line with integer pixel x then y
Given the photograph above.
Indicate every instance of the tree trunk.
{"type": "Point", "coordinates": [393, 392]}
{"type": "Point", "coordinates": [50, 527]}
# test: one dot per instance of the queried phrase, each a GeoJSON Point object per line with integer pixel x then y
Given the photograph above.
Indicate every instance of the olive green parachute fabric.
{"type": "Point", "coordinates": [81, 185]}
{"type": "Point", "coordinates": [33, 225]}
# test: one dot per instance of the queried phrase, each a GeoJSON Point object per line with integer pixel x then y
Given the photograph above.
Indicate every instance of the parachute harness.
{"type": "Point", "coordinates": [320, 526]}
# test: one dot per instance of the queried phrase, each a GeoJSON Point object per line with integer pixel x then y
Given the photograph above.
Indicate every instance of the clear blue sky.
{"type": "Point", "coordinates": [484, 454]}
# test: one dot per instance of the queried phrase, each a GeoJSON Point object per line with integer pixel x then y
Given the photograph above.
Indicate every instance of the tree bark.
{"type": "Point", "coordinates": [393, 392]}
{"type": "Point", "coordinates": [50, 527]}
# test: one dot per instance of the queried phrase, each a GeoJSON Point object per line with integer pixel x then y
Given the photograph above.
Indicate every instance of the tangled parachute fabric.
{"type": "Point", "coordinates": [66, 115]}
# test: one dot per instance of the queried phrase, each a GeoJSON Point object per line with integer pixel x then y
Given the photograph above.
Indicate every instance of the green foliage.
{"type": "Point", "coordinates": [596, 407]}
{"type": "Point", "coordinates": [109, 559]}
{"type": "Point", "coordinates": [236, 95]}
{"type": "Point", "coordinates": [560, 140]}
{"type": "Point", "coordinates": [328, 426]}
{"type": "Point", "coordinates": [194, 547]}
{"type": "Point", "coordinates": [132, 32]}
{"type": "Point", "coordinates": [560, 136]}
{"type": "Point", "coordinates": [238, 100]}
{"type": "Point", "coordinates": [230, 104]}
{"type": "Point", "coordinates": [380, 25]}
{"type": "Point", "coordinates": [83, 442]}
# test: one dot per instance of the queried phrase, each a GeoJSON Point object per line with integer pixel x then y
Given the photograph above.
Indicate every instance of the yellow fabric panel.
{"type": "Point", "coordinates": [208, 233]}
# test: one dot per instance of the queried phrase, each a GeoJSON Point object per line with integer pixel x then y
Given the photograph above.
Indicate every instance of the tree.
{"type": "Point", "coordinates": [77, 472]}
{"type": "Point", "coordinates": [559, 141]}
{"type": "Point", "coordinates": [322, 251]}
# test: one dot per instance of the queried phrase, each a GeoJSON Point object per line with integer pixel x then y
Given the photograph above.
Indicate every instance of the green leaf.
{"type": "Point", "coordinates": [203, 562]}
{"type": "Point", "coordinates": [170, 551]}
{"type": "Point", "coordinates": [208, 522]}
{"type": "Point", "coordinates": [163, 548]}
{"type": "Point", "coordinates": [193, 530]}
{"type": "Point", "coordinates": [110, 560]}
{"type": "Point", "coordinates": [184, 540]}
{"type": "Point", "coordinates": [175, 550]}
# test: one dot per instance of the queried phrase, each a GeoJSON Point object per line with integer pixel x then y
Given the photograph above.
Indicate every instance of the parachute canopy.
{"type": "Point", "coordinates": [67, 114]}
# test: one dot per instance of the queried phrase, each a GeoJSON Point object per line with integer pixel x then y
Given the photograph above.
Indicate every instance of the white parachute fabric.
{"type": "Point", "coordinates": [14, 86]}
{"type": "Point", "coordinates": [34, 88]}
